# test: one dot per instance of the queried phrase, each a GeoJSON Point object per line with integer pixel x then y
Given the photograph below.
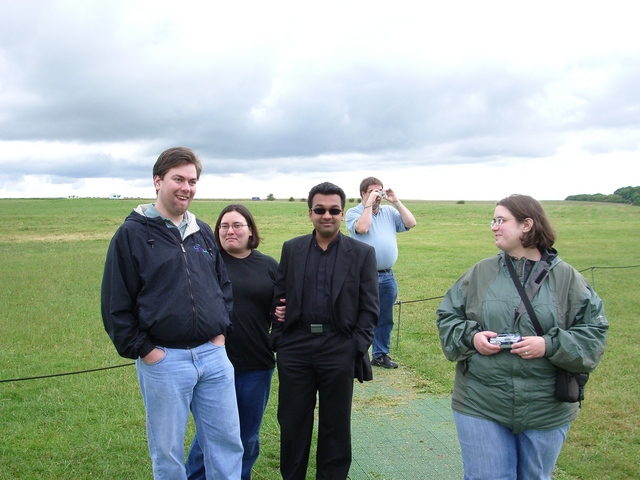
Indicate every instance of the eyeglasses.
{"type": "Point", "coordinates": [497, 221]}
{"type": "Point", "coordinates": [236, 226]}
{"type": "Point", "coordinates": [322, 211]}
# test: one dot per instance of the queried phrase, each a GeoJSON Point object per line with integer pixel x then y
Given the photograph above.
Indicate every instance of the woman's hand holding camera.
{"type": "Point", "coordinates": [529, 347]}
{"type": "Point", "coordinates": [482, 345]}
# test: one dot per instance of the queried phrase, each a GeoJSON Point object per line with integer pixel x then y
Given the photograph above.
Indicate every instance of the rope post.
{"type": "Point", "coordinates": [399, 303]}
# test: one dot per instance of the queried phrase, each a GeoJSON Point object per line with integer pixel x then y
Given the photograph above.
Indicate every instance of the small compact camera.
{"type": "Point", "coordinates": [505, 340]}
{"type": "Point", "coordinates": [382, 193]}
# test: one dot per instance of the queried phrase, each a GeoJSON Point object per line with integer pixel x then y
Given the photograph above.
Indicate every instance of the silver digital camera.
{"type": "Point", "coordinates": [505, 340]}
{"type": "Point", "coordinates": [382, 193]}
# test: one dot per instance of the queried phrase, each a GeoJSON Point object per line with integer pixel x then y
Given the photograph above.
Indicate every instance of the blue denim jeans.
{"type": "Point", "coordinates": [252, 391]}
{"type": "Point", "coordinates": [388, 289]}
{"type": "Point", "coordinates": [492, 452]}
{"type": "Point", "coordinates": [200, 381]}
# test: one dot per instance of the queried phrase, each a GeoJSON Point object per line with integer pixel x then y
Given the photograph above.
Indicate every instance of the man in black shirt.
{"type": "Point", "coordinates": [329, 285]}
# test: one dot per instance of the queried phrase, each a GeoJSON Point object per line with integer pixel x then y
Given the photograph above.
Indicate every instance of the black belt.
{"type": "Point", "coordinates": [316, 327]}
{"type": "Point", "coordinates": [386, 270]}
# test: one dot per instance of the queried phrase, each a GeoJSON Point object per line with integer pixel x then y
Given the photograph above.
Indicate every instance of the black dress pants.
{"type": "Point", "coordinates": [314, 366]}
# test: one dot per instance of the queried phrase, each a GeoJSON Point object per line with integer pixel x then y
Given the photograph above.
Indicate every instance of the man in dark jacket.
{"type": "Point", "coordinates": [166, 302]}
{"type": "Point", "coordinates": [329, 285]}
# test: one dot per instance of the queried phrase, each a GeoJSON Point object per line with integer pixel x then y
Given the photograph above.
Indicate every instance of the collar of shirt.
{"type": "Point", "coordinates": [153, 212]}
{"type": "Point", "coordinates": [334, 242]}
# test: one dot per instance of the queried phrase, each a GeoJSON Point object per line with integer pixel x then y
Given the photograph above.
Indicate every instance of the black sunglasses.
{"type": "Point", "coordinates": [322, 211]}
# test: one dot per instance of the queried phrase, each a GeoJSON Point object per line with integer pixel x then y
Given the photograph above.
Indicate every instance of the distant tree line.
{"type": "Point", "coordinates": [622, 195]}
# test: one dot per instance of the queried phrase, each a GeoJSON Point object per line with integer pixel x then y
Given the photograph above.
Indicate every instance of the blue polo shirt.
{"type": "Point", "coordinates": [382, 233]}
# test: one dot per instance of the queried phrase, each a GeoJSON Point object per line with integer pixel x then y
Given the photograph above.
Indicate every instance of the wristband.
{"type": "Point", "coordinates": [397, 205]}
{"type": "Point", "coordinates": [368, 206]}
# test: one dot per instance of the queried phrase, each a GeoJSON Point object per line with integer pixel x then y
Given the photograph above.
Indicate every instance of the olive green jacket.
{"type": "Point", "coordinates": [504, 388]}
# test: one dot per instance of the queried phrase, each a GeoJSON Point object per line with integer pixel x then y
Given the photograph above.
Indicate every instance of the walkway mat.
{"type": "Point", "coordinates": [398, 433]}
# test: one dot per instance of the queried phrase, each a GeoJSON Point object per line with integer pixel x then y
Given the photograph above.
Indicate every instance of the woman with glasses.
{"type": "Point", "coordinates": [509, 422]}
{"type": "Point", "coordinates": [252, 275]}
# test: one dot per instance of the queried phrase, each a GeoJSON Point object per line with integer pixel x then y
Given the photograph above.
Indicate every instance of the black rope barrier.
{"type": "Point", "coordinates": [593, 278]}
{"type": "Point", "coordinates": [66, 373]}
{"type": "Point", "coordinates": [398, 303]}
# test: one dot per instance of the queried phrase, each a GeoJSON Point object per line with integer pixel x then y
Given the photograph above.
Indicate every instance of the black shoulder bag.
{"type": "Point", "coordinates": [569, 385]}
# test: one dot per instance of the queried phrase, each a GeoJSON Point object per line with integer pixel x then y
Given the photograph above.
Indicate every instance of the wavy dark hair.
{"type": "Point", "coordinates": [254, 239]}
{"type": "Point", "coordinates": [326, 188]}
{"type": "Point", "coordinates": [542, 235]}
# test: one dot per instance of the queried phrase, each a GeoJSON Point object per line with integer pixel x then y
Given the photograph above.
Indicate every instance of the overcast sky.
{"type": "Point", "coordinates": [455, 100]}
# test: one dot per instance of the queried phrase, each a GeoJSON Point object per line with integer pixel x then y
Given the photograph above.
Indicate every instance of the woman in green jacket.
{"type": "Point", "coordinates": [509, 423]}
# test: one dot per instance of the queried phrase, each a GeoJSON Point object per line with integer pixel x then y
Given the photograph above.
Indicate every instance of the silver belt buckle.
{"type": "Point", "coordinates": [316, 328]}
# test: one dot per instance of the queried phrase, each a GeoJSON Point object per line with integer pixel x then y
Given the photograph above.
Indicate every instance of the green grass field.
{"type": "Point", "coordinates": [91, 425]}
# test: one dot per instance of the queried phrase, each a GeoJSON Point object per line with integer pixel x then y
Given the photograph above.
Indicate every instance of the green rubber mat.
{"type": "Point", "coordinates": [400, 434]}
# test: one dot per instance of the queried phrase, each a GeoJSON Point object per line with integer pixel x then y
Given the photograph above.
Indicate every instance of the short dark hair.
{"type": "Point", "coordinates": [254, 239]}
{"type": "Point", "coordinates": [367, 182]}
{"type": "Point", "coordinates": [326, 188]}
{"type": "Point", "coordinates": [174, 157]}
{"type": "Point", "coordinates": [542, 235]}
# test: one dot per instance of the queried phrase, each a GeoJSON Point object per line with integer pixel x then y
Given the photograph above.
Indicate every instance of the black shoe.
{"type": "Point", "coordinates": [383, 361]}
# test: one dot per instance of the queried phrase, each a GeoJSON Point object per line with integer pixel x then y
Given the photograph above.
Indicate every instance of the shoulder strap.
{"type": "Point", "coordinates": [539, 275]}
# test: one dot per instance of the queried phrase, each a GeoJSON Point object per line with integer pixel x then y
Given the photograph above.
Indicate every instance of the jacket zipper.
{"type": "Point", "coordinates": [194, 314]}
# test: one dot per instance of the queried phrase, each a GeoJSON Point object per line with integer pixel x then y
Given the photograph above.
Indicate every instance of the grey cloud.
{"type": "Point", "coordinates": [80, 75]}
{"type": "Point", "coordinates": [74, 166]}
{"type": "Point", "coordinates": [83, 83]}
{"type": "Point", "coordinates": [369, 110]}
{"type": "Point", "coordinates": [616, 104]}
